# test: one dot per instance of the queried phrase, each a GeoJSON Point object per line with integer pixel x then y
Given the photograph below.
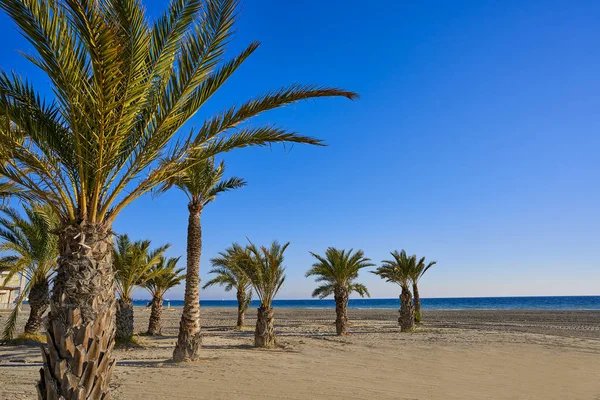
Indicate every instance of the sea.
{"type": "Point", "coordinates": [453, 303]}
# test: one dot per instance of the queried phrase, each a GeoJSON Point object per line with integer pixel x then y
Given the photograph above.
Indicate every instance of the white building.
{"type": "Point", "coordinates": [10, 291]}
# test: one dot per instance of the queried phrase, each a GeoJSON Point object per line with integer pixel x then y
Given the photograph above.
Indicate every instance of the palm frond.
{"type": "Point", "coordinates": [399, 270]}
{"type": "Point", "coordinates": [133, 264]}
{"type": "Point", "coordinates": [338, 269]}
{"type": "Point", "coordinates": [265, 270]}
{"type": "Point", "coordinates": [123, 88]}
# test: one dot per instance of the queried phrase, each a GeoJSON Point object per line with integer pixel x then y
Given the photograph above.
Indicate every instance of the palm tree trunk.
{"type": "Point", "coordinates": [155, 324]}
{"type": "Point", "coordinates": [241, 299]}
{"type": "Point", "coordinates": [124, 319]}
{"type": "Point", "coordinates": [78, 359]}
{"type": "Point", "coordinates": [417, 301]}
{"type": "Point", "coordinates": [39, 299]}
{"type": "Point", "coordinates": [189, 339]}
{"type": "Point", "coordinates": [341, 307]}
{"type": "Point", "coordinates": [407, 311]}
{"type": "Point", "coordinates": [264, 335]}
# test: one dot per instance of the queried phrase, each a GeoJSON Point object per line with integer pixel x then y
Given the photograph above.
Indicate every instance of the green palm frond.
{"type": "Point", "coordinates": [227, 270]}
{"type": "Point", "coordinates": [338, 268]}
{"type": "Point", "coordinates": [264, 268]}
{"type": "Point", "coordinates": [32, 247]}
{"type": "Point", "coordinates": [203, 182]}
{"type": "Point", "coordinates": [11, 323]}
{"type": "Point", "coordinates": [123, 89]}
{"type": "Point", "coordinates": [323, 291]}
{"type": "Point", "coordinates": [8, 332]}
{"type": "Point", "coordinates": [399, 270]}
{"type": "Point", "coordinates": [133, 264]}
{"type": "Point", "coordinates": [420, 268]}
{"type": "Point", "coordinates": [163, 276]}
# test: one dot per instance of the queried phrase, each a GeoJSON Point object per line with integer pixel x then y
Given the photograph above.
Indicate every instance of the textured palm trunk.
{"type": "Point", "coordinates": [39, 299]}
{"type": "Point", "coordinates": [417, 301]}
{"type": "Point", "coordinates": [407, 311]}
{"type": "Point", "coordinates": [264, 335]}
{"type": "Point", "coordinates": [241, 317]}
{"type": "Point", "coordinates": [341, 311]}
{"type": "Point", "coordinates": [78, 359]}
{"type": "Point", "coordinates": [155, 323]}
{"type": "Point", "coordinates": [124, 319]}
{"type": "Point", "coordinates": [189, 339]}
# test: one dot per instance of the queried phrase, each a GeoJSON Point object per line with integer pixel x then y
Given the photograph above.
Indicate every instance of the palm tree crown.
{"type": "Point", "coordinates": [420, 268]}
{"type": "Point", "coordinates": [163, 276]}
{"type": "Point", "coordinates": [202, 182]}
{"type": "Point", "coordinates": [33, 246]}
{"type": "Point", "coordinates": [228, 272]}
{"type": "Point", "coordinates": [399, 270]}
{"type": "Point", "coordinates": [33, 250]}
{"type": "Point", "coordinates": [133, 264]}
{"type": "Point", "coordinates": [123, 88]}
{"type": "Point", "coordinates": [264, 268]}
{"type": "Point", "coordinates": [339, 269]}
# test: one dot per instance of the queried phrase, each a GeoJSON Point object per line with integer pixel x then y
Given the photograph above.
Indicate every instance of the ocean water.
{"type": "Point", "coordinates": [455, 303]}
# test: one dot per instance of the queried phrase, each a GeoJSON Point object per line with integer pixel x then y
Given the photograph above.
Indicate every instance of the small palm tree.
{"type": "Point", "coordinates": [132, 264]}
{"type": "Point", "coordinates": [33, 251]}
{"type": "Point", "coordinates": [229, 274]}
{"type": "Point", "coordinates": [398, 271]}
{"type": "Point", "coordinates": [164, 276]}
{"type": "Point", "coordinates": [338, 270]}
{"type": "Point", "coordinates": [264, 268]}
{"type": "Point", "coordinates": [201, 182]}
{"type": "Point", "coordinates": [124, 87]}
{"type": "Point", "coordinates": [420, 268]}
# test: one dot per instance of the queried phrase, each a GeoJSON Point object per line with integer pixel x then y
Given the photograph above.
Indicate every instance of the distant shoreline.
{"type": "Point", "coordinates": [584, 303]}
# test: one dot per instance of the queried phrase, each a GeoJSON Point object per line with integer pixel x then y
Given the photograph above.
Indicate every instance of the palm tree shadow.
{"type": "Point", "coordinates": [141, 363]}
{"type": "Point", "coordinates": [229, 346]}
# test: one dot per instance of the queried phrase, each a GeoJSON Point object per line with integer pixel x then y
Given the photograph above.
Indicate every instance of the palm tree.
{"type": "Point", "coordinates": [164, 276]}
{"type": "Point", "coordinates": [338, 270]}
{"type": "Point", "coordinates": [133, 262]}
{"type": "Point", "coordinates": [33, 250]}
{"type": "Point", "coordinates": [264, 268]}
{"type": "Point", "coordinates": [201, 182]}
{"type": "Point", "coordinates": [229, 274]}
{"type": "Point", "coordinates": [399, 271]}
{"type": "Point", "coordinates": [123, 89]}
{"type": "Point", "coordinates": [420, 268]}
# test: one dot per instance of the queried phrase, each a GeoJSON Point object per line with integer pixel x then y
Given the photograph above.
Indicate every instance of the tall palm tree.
{"type": "Point", "coordinates": [230, 275]}
{"type": "Point", "coordinates": [123, 89]}
{"type": "Point", "coordinates": [163, 276]}
{"type": "Point", "coordinates": [338, 270]}
{"type": "Point", "coordinates": [420, 268]}
{"type": "Point", "coordinates": [33, 250]}
{"type": "Point", "coordinates": [133, 262]}
{"type": "Point", "coordinates": [201, 182]}
{"type": "Point", "coordinates": [398, 271]}
{"type": "Point", "coordinates": [264, 268]}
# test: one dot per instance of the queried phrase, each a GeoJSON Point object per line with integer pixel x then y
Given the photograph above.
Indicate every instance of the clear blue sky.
{"type": "Point", "coordinates": [475, 143]}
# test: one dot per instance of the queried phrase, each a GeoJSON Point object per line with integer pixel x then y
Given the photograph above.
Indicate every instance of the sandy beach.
{"type": "Point", "coordinates": [454, 355]}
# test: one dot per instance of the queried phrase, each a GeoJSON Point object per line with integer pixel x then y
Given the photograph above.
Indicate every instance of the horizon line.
{"type": "Point", "coordinates": [396, 298]}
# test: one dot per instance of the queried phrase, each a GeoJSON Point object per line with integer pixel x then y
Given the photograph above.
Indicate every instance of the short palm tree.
{"type": "Point", "coordinates": [133, 262]}
{"type": "Point", "coordinates": [228, 273]}
{"type": "Point", "coordinates": [337, 270]}
{"type": "Point", "coordinates": [398, 271]}
{"type": "Point", "coordinates": [264, 268]}
{"type": "Point", "coordinates": [123, 87]}
{"type": "Point", "coordinates": [420, 268]}
{"type": "Point", "coordinates": [163, 276]}
{"type": "Point", "coordinates": [201, 182]}
{"type": "Point", "coordinates": [33, 250]}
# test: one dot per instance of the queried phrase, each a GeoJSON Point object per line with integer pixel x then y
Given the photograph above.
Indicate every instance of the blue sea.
{"type": "Point", "coordinates": [454, 303]}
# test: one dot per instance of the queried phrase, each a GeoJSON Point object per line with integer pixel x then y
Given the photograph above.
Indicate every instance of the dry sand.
{"type": "Point", "coordinates": [455, 355]}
